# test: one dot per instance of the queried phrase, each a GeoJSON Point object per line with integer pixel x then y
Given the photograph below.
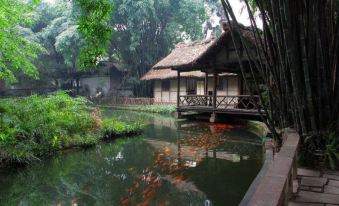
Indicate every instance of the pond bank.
{"type": "Point", "coordinates": [159, 109]}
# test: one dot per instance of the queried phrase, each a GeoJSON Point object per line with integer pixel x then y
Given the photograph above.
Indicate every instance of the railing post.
{"type": "Point", "coordinates": [178, 89]}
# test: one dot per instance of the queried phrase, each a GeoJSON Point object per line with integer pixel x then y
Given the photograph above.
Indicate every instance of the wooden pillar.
{"type": "Point", "coordinates": [213, 117]}
{"type": "Point", "coordinates": [178, 89]}
{"type": "Point", "coordinates": [206, 89]}
{"type": "Point", "coordinates": [215, 79]}
{"type": "Point", "coordinates": [206, 83]}
{"type": "Point", "coordinates": [178, 113]}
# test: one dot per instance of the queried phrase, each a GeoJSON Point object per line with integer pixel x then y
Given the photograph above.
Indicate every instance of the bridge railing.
{"type": "Point", "coordinates": [222, 102]}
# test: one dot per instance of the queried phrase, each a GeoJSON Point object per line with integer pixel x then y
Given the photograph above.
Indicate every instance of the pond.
{"type": "Point", "coordinates": [171, 163]}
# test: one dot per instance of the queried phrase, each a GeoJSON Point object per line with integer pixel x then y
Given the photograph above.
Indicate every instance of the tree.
{"type": "Point", "coordinates": [145, 31]}
{"type": "Point", "coordinates": [61, 36]}
{"type": "Point", "coordinates": [299, 63]}
{"type": "Point", "coordinates": [18, 23]}
{"type": "Point", "coordinates": [94, 25]}
{"type": "Point", "coordinates": [16, 52]}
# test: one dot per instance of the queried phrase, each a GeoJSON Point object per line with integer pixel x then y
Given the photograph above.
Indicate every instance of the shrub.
{"type": "Point", "coordinates": [115, 127]}
{"type": "Point", "coordinates": [36, 125]}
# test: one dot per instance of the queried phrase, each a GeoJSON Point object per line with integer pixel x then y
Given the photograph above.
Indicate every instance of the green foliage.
{"type": "Point", "coordinates": [114, 127]}
{"type": "Point", "coordinates": [94, 25]}
{"type": "Point", "coordinates": [17, 53]}
{"type": "Point", "coordinates": [331, 152]}
{"type": "Point", "coordinates": [67, 43]}
{"type": "Point", "coordinates": [322, 149]}
{"type": "Point", "coordinates": [34, 126]}
{"type": "Point", "coordinates": [61, 37]}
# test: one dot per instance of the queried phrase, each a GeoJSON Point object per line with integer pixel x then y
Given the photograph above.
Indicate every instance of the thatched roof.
{"type": "Point", "coordinates": [161, 74]}
{"type": "Point", "coordinates": [167, 73]}
{"type": "Point", "coordinates": [189, 53]}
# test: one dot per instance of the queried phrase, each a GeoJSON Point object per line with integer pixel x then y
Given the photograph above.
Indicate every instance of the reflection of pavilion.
{"type": "Point", "coordinates": [191, 155]}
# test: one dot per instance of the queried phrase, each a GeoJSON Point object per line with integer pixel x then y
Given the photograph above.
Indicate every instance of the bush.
{"type": "Point", "coordinates": [34, 126]}
{"type": "Point", "coordinates": [115, 127]}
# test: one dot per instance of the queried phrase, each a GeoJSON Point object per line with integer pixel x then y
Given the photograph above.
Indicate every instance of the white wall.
{"type": "Point", "coordinates": [96, 82]}
{"type": "Point", "coordinates": [173, 91]}
{"type": "Point", "coordinates": [157, 90]}
{"type": "Point", "coordinates": [233, 86]}
{"type": "Point", "coordinates": [171, 96]}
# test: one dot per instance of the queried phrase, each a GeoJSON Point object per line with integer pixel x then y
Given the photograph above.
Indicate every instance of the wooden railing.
{"type": "Point", "coordinates": [222, 102]}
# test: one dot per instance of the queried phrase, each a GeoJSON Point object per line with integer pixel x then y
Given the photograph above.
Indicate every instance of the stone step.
{"type": "Point", "coordinates": [333, 183]}
{"type": "Point", "coordinates": [308, 172]}
{"type": "Point", "coordinates": [313, 181]}
{"type": "Point", "coordinates": [331, 172]}
{"type": "Point", "coordinates": [314, 197]}
{"type": "Point", "coordinates": [328, 189]}
{"type": "Point", "coordinates": [295, 186]}
{"type": "Point", "coordinates": [304, 204]}
{"type": "Point", "coordinates": [331, 177]}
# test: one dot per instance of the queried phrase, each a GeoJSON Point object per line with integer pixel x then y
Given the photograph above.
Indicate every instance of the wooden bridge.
{"type": "Point", "coordinates": [232, 104]}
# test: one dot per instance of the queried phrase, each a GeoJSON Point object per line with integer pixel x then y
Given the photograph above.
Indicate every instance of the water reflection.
{"type": "Point", "coordinates": [172, 163]}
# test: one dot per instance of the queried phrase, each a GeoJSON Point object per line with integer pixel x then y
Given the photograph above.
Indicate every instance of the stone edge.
{"type": "Point", "coordinates": [274, 182]}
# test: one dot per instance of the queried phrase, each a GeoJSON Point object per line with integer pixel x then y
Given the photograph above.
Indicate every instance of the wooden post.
{"type": "Point", "coordinates": [206, 88]}
{"type": "Point", "coordinates": [213, 117]}
{"type": "Point", "coordinates": [206, 83]}
{"type": "Point", "coordinates": [215, 78]}
{"type": "Point", "coordinates": [178, 90]}
{"type": "Point", "coordinates": [178, 113]}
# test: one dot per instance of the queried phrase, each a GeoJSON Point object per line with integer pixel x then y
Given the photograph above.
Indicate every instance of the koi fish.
{"type": "Point", "coordinates": [137, 186]}
{"type": "Point", "coordinates": [124, 201]}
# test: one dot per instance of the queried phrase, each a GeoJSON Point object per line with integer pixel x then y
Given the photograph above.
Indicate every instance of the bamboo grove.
{"type": "Point", "coordinates": [297, 58]}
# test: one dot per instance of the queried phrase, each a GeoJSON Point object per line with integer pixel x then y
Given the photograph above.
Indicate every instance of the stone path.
{"type": "Point", "coordinates": [315, 188]}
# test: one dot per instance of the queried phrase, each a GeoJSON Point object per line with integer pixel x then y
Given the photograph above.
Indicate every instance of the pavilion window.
{"type": "Point", "coordinates": [191, 86]}
{"type": "Point", "coordinates": [222, 84]}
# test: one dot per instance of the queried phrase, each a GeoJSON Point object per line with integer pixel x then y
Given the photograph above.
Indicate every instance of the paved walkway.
{"type": "Point", "coordinates": [315, 188]}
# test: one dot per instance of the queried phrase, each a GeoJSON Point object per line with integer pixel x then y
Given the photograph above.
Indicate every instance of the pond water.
{"type": "Point", "coordinates": [171, 163]}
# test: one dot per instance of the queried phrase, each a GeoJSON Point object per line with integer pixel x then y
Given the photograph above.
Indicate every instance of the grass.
{"type": "Point", "coordinates": [160, 109]}
{"type": "Point", "coordinates": [35, 126]}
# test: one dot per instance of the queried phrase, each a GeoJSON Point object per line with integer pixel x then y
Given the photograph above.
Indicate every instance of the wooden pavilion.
{"type": "Point", "coordinates": [213, 57]}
